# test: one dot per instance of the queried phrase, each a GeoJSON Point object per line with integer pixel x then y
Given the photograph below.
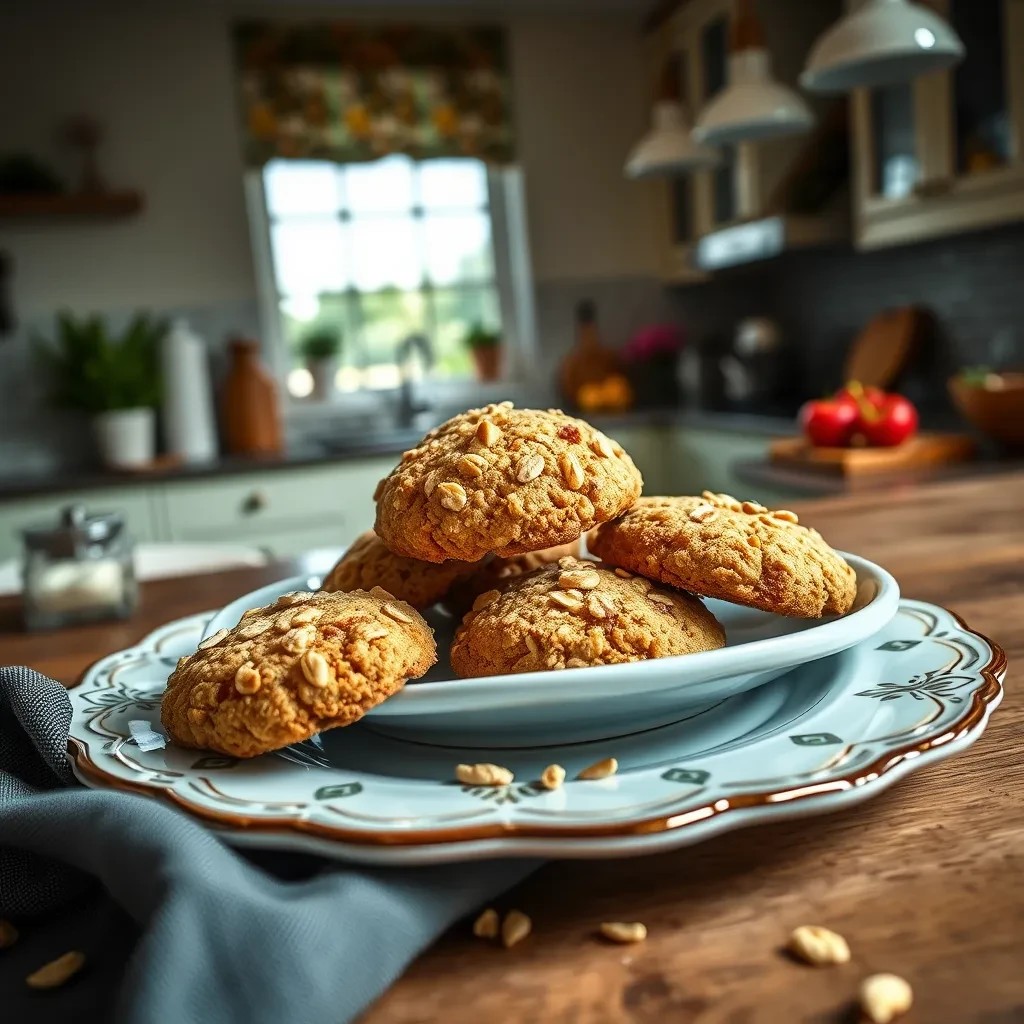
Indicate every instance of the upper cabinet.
{"type": "Point", "coordinates": [743, 185]}
{"type": "Point", "coordinates": [945, 153]}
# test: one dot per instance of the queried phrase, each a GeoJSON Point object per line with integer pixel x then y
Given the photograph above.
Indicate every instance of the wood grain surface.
{"type": "Point", "coordinates": [926, 880]}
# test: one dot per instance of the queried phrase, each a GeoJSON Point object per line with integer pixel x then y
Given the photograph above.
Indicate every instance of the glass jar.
{"type": "Point", "coordinates": [80, 569]}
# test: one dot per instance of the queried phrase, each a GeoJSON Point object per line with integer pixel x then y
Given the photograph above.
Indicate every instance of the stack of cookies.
{"type": "Point", "coordinates": [487, 516]}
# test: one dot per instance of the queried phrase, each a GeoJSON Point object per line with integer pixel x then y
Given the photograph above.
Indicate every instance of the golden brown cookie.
{"type": "Point", "coordinates": [308, 663]}
{"type": "Point", "coordinates": [505, 481]}
{"type": "Point", "coordinates": [737, 551]}
{"type": "Point", "coordinates": [494, 573]}
{"type": "Point", "coordinates": [367, 563]}
{"type": "Point", "coordinates": [576, 613]}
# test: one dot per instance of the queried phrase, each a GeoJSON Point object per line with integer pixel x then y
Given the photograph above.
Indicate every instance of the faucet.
{"type": "Point", "coordinates": [408, 406]}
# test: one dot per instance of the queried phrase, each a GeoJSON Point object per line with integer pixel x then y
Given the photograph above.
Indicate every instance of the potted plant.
{"type": "Point", "coordinates": [116, 380]}
{"type": "Point", "coordinates": [485, 346]}
{"type": "Point", "coordinates": [320, 349]}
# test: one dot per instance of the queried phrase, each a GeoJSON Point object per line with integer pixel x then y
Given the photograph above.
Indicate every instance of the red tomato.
{"type": "Point", "coordinates": [889, 424]}
{"type": "Point", "coordinates": [830, 422]}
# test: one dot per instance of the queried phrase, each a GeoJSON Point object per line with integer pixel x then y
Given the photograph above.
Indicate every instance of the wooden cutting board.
{"type": "Point", "coordinates": [923, 450]}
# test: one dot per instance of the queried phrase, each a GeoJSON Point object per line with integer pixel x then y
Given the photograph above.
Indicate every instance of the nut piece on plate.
{"type": "Point", "coordinates": [552, 777]}
{"type": "Point", "coordinates": [486, 926]}
{"type": "Point", "coordinates": [483, 775]}
{"type": "Point", "coordinates": [736, 551]}
{"type": "Point", "coordinates": [307, 663]}
{"type": "Point", "coordinates": [599, 770]}
{"type": "Point", "coordinates": [884, 997]}
{"type": "Point", "coordinates": [574, 613]}
{"type": "Point", "coordinates": [624, 931]}
{"type": "Point", "coordinates": [368, 563]}
{"type": "Point", "coordinates": [57, 972]}
{"type": "Point", "coordinates": [515, 928]}
{"type": "Point", "coordinates": [505, 481]}
{"type": "Point", "coordinates": [819, 946]}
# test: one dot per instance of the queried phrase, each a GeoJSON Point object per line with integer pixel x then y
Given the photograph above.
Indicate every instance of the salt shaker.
{"type": "Point", "coordinates": [80, 569]}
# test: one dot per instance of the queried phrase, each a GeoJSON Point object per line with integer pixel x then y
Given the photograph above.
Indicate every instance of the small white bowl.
{"type": "Point", "coordinates": [608, 700]}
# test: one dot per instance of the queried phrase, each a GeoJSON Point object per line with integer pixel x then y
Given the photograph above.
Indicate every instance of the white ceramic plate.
{"type": "Point", "coordinates": [820, 737]}
{"type": "Point", "coordinates": [592, 703]}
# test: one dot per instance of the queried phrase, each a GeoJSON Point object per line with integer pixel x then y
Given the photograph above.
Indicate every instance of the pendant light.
{"type": "Point", "coordinates": [881, 43]}
{"type": "Point", "coordinates": [669, 147]}
{"type": "Point", "coordinates": [753, 106]}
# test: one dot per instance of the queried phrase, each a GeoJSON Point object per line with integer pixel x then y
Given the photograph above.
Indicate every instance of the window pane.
{"type": "Point", "coordinates": [385, 251]}
{"type": "Point", "coordinates": [453, 183]}
{"type": "Point", "coordinates": [301, 316]}
{"type": "Point", "coordinates": [458, 247]}
{"type": "Point", "coordinates": [387, 318]}
{"type": "Point", "coordinates": [384, 186]}
{"type": "Point", "coordinates": [308, 256]}
{"type": "Point", "coordinates": [455, 311]}
{"type": "Point", "coordinates": [301, 187]}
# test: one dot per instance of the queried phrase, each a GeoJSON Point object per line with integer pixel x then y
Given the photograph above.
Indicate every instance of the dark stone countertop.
{"type": "Point", "coordinates": [325, 451]}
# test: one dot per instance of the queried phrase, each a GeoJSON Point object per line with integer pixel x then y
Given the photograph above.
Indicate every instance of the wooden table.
{"type": "Point", "coordinates": [926, 880]}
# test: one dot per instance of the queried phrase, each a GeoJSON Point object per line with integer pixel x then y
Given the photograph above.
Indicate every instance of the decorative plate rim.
{"type": "Point", "coordinates": [983, 700]}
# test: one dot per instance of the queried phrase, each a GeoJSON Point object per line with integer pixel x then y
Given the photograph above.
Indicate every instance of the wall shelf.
{"type": "Point", "coordinates": [82, 206]}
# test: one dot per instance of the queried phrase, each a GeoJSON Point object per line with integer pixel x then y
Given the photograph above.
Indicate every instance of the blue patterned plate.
{"type": "Point", "coordinates": [594, 703]}
{"type": "Point", "coordinates": [819, 737]}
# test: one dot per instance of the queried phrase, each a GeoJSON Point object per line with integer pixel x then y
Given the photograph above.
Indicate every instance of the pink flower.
{"type": "Point", "coordinates": [655, 342]}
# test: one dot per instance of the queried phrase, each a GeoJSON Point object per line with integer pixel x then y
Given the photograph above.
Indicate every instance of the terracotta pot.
{"type": "Point", "coordinates": [488, 362]}
{"type": "Point", "coordinates": [997, 412]}
{"type": "Point", "coordinates": [249, 404]}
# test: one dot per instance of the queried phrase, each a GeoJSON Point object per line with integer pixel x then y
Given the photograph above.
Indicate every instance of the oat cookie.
{"type": "Point", "coordinates": [737, 551]}
{"type": "Point", "coordinates": [576, 613]}
{"type": "Point", "coordinates": [494, 573]}
{"type": "Point", "coordinates": [367, 563]}
{"type": "Point", "coordinates": [505, 481]}
{"type": "Point", "coordinates": [308, 663]}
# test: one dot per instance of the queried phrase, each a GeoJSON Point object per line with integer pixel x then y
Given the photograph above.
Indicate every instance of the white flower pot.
{"type": "Point", "coordinates": [126, 437]}
{"type": "Point", "coordinates": [323, 372]}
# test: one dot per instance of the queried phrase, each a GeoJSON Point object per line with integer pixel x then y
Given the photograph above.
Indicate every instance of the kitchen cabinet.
{"type": "Point", "coordinates": [284, 511]}
{"type": "Point", "coordinates": [945, 152]}
{"type": "Point", "coordinates": [743, 186]}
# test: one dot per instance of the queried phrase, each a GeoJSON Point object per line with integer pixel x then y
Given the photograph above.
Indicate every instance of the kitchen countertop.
{"type": "Point", "coordinates": [350, 447]}
{"type": "Point", "coordinates": [925, 880]}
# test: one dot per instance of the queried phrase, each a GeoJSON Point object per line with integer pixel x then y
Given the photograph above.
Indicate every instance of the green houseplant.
{"type": "Point", "coordinates": [320, 349]}
{"type": "Point", "coordinates": [485, 346]}
{"type": "Point", "coordinates": [114, 379]}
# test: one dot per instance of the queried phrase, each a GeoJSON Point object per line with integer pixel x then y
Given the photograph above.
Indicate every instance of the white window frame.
{"type": "Point", "coordinates": [512, 274]}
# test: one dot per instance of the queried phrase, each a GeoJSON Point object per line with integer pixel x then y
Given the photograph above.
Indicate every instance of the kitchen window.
{"type": "Point", "coordinates": [381, 252]}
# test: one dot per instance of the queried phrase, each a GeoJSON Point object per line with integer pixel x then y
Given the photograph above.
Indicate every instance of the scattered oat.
{"type": "Point", "coordinates": [623, 931]}
{"type": "Point", "coordinates": [529, 468]}
{"type": "Point", "coordinates": [247, 678]}
{"type": "Point", "coordinates": [57, 972]}
{"type": "Point", "coordinates": [603, 447]}
{"type": "Point", "coordinates": [572, 471]}
{"type": "Point", "coordinates": [488, 597]}
{"type": "Point", "coordinates": [579, 579]}
{"type": "Point", "coordinates": [753, 540]}
{"type": "Point", "coordinates": [884, 997]}
{"type": "Point", "coordinates": [452, 496]}
{"type": "Point", "coordinates": [819, 946]}
{"type": "Point", "coordinates": [472, 465]}
{"type": "Point", "coordinates": [315, 669]}
{"type": "Point", "coordinates": [483, 775]}
{"type": "Point", "coordinates": [703, 514]}
{"type": "Point", "coordinates": [658, 598]}
{"type": "Point", "coordinates": [8, 934]}
{"type": "Point", "coordinates": [565, 599]}
{"type": "Point", "coordinates": [531, 644]}
{"type": "Point", "coordinates": [486, 926]}
{"type": "Point", "coordinates": [600, 769]}
{"type": "Point", "coordinates": [515, 928]}
{"type": "Point", "coordinates": [553, 776]}
{"type": "Point", "coordinates": [392, 611]}
{"type": "Point", "coordinates": [487, 433]}
{"type": "Point", "coordinates": [786, 516]}
{"type": "Point", "coordinates": [216, 638]}
{"type": "Point", "coordinates": [752, 508]}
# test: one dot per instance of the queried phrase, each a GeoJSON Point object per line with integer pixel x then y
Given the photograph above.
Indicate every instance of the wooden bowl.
{"type": "Point", "coordinates": [995, 407]}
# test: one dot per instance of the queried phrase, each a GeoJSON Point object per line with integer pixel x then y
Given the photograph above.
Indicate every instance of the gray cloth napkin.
{"type": "Point", "coordinates": [178, 927]}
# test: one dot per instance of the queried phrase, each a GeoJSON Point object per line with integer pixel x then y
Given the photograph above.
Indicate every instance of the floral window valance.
{"type": "Point", "coordinates": [351, 92]}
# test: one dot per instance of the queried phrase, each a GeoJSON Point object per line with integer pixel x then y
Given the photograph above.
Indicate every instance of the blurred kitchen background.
{"type": "Point", "coordinates": [303, 234]}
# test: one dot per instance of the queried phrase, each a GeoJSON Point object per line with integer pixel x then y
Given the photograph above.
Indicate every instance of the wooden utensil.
{"type": "Point", "coordinates": [882, 351]}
